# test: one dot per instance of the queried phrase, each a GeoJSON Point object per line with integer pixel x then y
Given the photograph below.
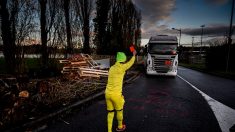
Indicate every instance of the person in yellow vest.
{"type": "Point", "coordinates": [113, 92]}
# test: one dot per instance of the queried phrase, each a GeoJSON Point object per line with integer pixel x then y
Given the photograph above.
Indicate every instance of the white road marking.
{"type": "Point", "coordinates": [224, 114]}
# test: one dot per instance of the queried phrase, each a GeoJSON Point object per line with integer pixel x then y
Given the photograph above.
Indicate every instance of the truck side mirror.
{"type": "Point", "coordinates": [145, 48]}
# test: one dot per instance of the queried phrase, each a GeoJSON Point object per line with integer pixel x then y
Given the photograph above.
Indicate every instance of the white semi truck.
{"type": "Point", "coordinates": [161, 57]}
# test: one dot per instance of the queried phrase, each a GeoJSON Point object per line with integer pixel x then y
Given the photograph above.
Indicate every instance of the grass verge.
{"type": "Point", "coordinates": [201, 67]}
{"type": "Point", "coordinates": [32, 65]}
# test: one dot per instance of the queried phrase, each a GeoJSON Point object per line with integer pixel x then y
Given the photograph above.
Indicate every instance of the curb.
{"type": "Point", "coordinates": [67, 108]}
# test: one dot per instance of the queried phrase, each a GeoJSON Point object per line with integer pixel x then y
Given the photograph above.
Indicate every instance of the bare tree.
{"type": "Point", "coordinates": [47, 17]}
{"type": "Point", "coordinates": [68, 26]}
{"type": "Point", "coordinates": [43, 8]}
{"type": "Point", "coordinates": [137, 36]}
{"type": "Point", "coordinates": [8, 37]}
{"type": "Point", "coordinates": [76, 27]}
{"type": "Point", "coordinates": [101, 26]}
{"type": "Point", "coordinates": [84, 8]}
{"type": "Point", "coordinates": [17, 23]}
{"type": "Point", "coordinates": [25, 25]}
{"type": "Point", "coordinates": [117, 25]}
{"type": "Point", "coordinates": [123, 16]}
{"type": "Point", "coordinates": [1, 43]}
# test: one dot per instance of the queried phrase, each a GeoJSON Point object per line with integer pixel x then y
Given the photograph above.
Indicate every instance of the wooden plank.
{"type": "Point", "coordinates": [64, 61]}
{"type": "Point", "coordinates": [97, 73]}
{"type": "Point", "coordinates": [94, 70]}
{"type": "Point", "coordinates": [79, 65]}
{"type": "Point", "coordinates": [67, 68]}
{"type": "Point", "coordinates": [89, 60]}
{"type": "Point", "coordinates": [78, 62]}
{"type": "Point", "coordinates": [84, 66]}
{"type": "Point", "coordinates": [64, 72]}
{"type": "Point", "coordinates": [76, 69]}
{"type": "Point", "coordinates": [89, 75]}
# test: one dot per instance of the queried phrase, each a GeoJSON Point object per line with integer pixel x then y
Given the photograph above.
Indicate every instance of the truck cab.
{"type": "Point", "coordinates": [161, 57]}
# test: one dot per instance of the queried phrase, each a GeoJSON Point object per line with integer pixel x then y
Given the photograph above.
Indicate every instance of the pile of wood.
{"type": "Point", "coordinates": [82, 65]}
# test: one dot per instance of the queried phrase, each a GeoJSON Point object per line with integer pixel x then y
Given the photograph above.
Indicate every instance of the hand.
{"type": "Point", "coordinates": [134, 52]}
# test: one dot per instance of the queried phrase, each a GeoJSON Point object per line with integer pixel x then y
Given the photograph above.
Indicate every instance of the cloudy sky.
{"type": "Point", "coordinates": [160, 16]}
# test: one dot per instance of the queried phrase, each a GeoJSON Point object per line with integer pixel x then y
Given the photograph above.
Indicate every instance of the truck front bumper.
{"type": "Point", "coordinates": [153, 72]}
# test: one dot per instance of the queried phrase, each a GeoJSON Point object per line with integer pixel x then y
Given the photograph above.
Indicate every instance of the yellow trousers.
{"type": "Point", "coordinates": [114, 103]}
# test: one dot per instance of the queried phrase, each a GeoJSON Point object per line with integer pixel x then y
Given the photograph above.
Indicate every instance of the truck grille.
{"type": "Point", "coordinates": [160, 66]}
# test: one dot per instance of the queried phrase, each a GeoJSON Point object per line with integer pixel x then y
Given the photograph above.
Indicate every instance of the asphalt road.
{"type": "Point", "coordinates": [158, 104]}
{"type": "Point", "coordinates": [221, 89]}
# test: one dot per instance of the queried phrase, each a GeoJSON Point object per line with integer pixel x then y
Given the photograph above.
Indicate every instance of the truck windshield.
{"type": "Point", "coordinates": [162, 48]}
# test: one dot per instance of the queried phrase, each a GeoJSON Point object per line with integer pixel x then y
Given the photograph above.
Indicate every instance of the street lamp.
{"type": "Point", "coordinates": [230, 35]}
{"type": "Point", "coordinates": [202, 26]}
{"type": "Point", "coordinates": [192, 42]}
{"type": "Point", "coordinates": [192, 45]}
{"type": "Point", "coordinates": [180, 33]}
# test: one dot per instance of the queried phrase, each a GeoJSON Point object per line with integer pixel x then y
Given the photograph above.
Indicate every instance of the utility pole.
{"type": "Point", "coordinates": [192, 44]}
{"type": "Point", "coordinates": [229, 36]}
{"type": "Point", "coordinates": [202, 26]}
{"type": "Point", "coordinates": [180, 34]}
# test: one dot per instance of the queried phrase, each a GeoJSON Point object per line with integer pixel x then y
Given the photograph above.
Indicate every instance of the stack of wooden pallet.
{"type": "Point", "coordinates": [83, 65]}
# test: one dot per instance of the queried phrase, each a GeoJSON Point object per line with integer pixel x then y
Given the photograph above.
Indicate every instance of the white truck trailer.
{"type": "Point", "coordinates": [161, 57]}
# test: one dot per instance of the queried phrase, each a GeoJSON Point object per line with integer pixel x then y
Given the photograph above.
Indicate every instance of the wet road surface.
{"type": "Point", "coordinates": [158, 104]}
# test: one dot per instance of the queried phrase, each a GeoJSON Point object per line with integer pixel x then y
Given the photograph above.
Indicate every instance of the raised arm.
{"type": "Point", "coordinates": [127, 65]}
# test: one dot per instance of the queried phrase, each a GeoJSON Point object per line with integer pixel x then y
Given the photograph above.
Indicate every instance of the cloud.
{"type": "Point", "coordinates": [217, 2]}
{"type": "Point", "coordinates": [209, 30]}
{"type": "Point", "coordinates": [153, 13]}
